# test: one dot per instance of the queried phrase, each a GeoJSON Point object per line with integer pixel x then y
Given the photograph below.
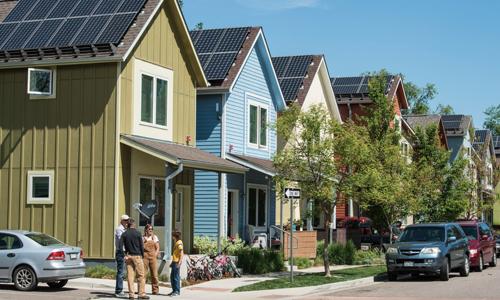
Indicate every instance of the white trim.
{"type": "Point", "coordinates": [235, 207]}
{"type": "Point", "coordinates": [116, 205]}
{"type": "Point", "coordinates": [259, 106]}
{"type": "Point", "coordinates": [248, 165]}
{"type": "Point", "coordinates": [53, 88]}
{"type": "Point", "coordinates": [265, 189]}
{"type": "Point", "coordinates": [143, 128]}
{"type": "Point", "coordinates": [42, 173]}
{"type": "Point", "coordinates": [223, 125]}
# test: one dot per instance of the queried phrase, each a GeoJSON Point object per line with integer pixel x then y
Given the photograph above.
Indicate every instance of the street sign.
{"type": "Point", "coordinates": [292, 193]}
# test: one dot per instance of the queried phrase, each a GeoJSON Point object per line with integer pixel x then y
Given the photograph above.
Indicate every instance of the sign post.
{"type": "Point", "coordinates": [291, 194]}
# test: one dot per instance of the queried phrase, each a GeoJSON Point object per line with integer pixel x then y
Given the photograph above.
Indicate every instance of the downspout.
{"type": "Point", "coordinates": [168, 209]}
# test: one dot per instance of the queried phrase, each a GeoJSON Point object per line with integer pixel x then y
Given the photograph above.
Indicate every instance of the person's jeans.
{"type": "Point", "coordinates": [120, 270]}
{"type": "Point", "coordinates": [175, 278]}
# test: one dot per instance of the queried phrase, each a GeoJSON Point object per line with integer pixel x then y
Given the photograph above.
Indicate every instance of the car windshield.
{"type": "Point", "coordinates": [470, 232]}
{"type": "Point", "coordinates": [43, 239]}
{"type": "Point", "coordinates": [422, 234]}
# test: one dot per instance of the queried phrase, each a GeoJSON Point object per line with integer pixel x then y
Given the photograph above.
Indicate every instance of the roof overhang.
{"type": "Point", "coordinates": [169, 152]}
{"type": "Point", "coordinates": [250, 165]}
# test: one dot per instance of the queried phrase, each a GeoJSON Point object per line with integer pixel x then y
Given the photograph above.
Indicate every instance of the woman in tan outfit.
{"type": "Point", "coordinates": [151, 253]}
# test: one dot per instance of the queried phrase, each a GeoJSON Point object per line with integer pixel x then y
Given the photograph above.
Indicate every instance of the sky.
{"type": "Point", "coordinates": [454, 44]}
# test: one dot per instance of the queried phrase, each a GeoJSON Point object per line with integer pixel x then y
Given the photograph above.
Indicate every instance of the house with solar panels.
{"type": "Point", "coordinates": [352, 97]}
{"type": "Point", "coordinates": [424, 121]}
{"type": "Point", "coordinates": [98, 115]}
{"type": "Point", "coordinates": [233, 118]}
{"type": "Point", "coordinates": [484, 147]}
{"type": "Point", "coordinates": [305, 81]}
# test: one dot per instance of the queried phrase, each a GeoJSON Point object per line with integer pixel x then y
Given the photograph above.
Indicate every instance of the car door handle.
{"type": "Point", "coordinates": [11, 255]}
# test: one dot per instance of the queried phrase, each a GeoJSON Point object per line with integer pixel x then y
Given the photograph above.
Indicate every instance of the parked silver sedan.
{"type": "Point", "coordinates": [27, 258]}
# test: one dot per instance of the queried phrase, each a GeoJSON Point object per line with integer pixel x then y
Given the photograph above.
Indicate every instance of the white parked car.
{"type": "Point", "coordinates": [27, 258]}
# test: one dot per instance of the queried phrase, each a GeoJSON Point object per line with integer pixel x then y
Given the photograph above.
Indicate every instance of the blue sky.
{"type": "Point", "coordinates": [454, 44]}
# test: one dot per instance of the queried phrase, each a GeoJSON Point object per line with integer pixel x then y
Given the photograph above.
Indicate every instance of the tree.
{"type": "Point", "coordinates": [315, 157]}
{"type": "Point", "coordinates": [382, 183]}
{"type": "Point", "coordinates": [198, 26]}
{"type": "Point", "coordinates": [444, 110]}
{"type": "Point", "coordinates": [492, 121]}
{"type": "Point", "coordinates": [419, 97]}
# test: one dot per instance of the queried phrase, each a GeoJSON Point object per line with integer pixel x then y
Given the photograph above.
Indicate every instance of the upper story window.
{"type": "Point", "coordinates": [154, 100]}
{"type": "Point", "coordinates": [41, 82]}
{"type": "Point", "coordinates": [257, 135]}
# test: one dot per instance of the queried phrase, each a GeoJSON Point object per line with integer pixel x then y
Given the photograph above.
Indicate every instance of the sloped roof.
{"type": "Point", "coordinates": [5, 7]}
{"type": "Point", "coordinates": [422, 120]}
{"type": "Point", "coordinates": [265, 166]}
{"type": "Point", "coordinates": [483, 138]}
{"type": "Point", "coordinates": [496, 144]}
{"type": "Point", "coordinates": [295, 74]}
{"type": "Point", "coordinates": [456, 124]}
{"type": "Point", "coordinates": [190, 157]}
{"type": "Point", "coordinates": [223, 51]}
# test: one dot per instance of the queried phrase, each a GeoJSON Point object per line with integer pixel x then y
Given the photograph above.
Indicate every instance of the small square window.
{"type": "Point", "coordinates": [40, 82]}
{"type": "Point", "coordinates": [40, 187]}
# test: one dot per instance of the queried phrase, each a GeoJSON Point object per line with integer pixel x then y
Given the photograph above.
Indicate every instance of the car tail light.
{"type": "Point", "coordinates": [56, 255]}
{"type": "Point", "coordinates": [81, 254]}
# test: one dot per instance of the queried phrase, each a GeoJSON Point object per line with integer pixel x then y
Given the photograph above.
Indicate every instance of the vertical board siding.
{"type": "Point", "coordinates": [73, 135]}
{"type": "Point", "coordinates": [252, 80]}
{"type": "Point", "coordinates": [206, 191]}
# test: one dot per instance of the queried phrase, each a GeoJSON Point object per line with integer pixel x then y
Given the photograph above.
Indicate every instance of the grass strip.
{"type": "Point", "coordinates": [314, 279]}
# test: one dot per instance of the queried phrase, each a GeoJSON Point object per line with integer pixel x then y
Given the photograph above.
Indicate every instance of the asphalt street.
{"type": "Point", "coordinates": [484, 286]}
{"type": "Point", "coordinates": [45, 293]}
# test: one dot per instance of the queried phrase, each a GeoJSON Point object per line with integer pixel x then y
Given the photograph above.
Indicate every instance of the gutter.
{"type": "Point", "coordinates": [60, 62]}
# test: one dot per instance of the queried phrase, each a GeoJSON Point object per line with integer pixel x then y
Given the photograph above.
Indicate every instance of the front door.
{"type": "Point", "coordinates": [232, 210]}
{"type": "Point", "coordinates": [182, 214]}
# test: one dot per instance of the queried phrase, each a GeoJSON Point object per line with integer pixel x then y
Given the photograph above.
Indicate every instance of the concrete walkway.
{"type": "Point", "coordinates": [222, 289]}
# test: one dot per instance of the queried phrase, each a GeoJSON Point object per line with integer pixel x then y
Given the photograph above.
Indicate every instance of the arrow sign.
{"type": "Point", "coordinates": [292, 193]}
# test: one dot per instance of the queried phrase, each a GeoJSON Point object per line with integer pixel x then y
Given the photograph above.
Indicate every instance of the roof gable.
{"type": "Point", "coordinates": [293, 73]}
{"type": "Point", "coordinates": [457, 125]}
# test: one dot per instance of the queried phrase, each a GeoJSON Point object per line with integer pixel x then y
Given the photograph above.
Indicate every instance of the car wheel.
{"type": "Point", "coordinates": [493, 262]}
{"type": "Point", "coordinates": [465, 269]}
{"type": "Point", "coordinates": [444, 274]}
{"type": "Point", "coordinates": [25, 278]}
{"type": "Point", "coordinates": [57, 284]}
{"type": "Point", "coordinates": [481, 263]}
{"type": "Point", "coordinates": [392, 276]}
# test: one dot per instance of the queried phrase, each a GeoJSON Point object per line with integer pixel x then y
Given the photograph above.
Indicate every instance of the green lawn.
{"type": "Point", "coordinates": [314, 279]}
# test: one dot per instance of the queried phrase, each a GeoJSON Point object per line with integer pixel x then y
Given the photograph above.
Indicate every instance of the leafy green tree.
{"type": "Point", "coordinates": [199, 26]}
{"type": "Point", "coordinates": [419, 97]}
{"type": "Point", "coordinates": [445, 110]}
{"type": "Point", "coordinates": [492, 121]}
{"type": "Point", "coordinates": [315, 157]}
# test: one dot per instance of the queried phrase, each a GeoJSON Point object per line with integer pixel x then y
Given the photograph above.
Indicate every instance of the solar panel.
{"type": "Point", "coordinates": [116, 28]}
{"type": "Point", "coordinates": [108, 7]}
{"type": "Point", "coordinates": [90, 30]}
{"type": "Point", "coordinates": [23, 32]}
{"type": "Point", "coordinates": [348, 80]}
{"type": "Point", "coordinates": [85, 7]}
{"type": "Point", "coordinates": [63, 8]}
{"type": "Point", "coordinates": [290, 88]}
{"type": "Point", "coordinates": [41, 36]}
{"type": "Point", "coordinates": [66, 32]}
{"type": "Point", "coordinates": [219, 65]}
{"type": "Point", "coordinates": [40, 10]}
{"type": "Point", "coordinates": [232, 40]}
{"type": "Point", "coordinates": [345, 89]}
{"type": "Point", "coordinates": [279, 64]}
{"type": "Point", "coordinates": [204, 58]}
{"type": "Point", "coordinates": [298, 66]}
{"type": "Point", "coordinates": [194, 35]}
{"type": "Point", "coordinates": [207, 41]}
{"type": "Point", "coordinates": [129, 6]}
{"type": "Point", "coordinates": [5, 31]}
{"type": "Point", "coordinates": [19, 11]}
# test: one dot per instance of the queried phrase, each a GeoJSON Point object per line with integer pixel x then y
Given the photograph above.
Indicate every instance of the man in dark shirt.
{"type": "Point", "coordinates": [134, 253]}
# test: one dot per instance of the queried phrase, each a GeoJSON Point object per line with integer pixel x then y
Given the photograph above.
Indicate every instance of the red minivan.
{"type": "Point", "coordinates": [482, 244]}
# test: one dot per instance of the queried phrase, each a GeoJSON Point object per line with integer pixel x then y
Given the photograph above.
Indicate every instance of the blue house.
{"type": "Point", "coordinates": [233, 118]}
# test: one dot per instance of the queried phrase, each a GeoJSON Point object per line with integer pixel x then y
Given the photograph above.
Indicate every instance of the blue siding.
{"type": "Point", "coordinates": [206, 191]}
{"type": "Point", "coordinates": [455, 144]}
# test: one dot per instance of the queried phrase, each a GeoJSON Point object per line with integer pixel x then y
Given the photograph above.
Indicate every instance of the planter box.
{"type": "Point", "coordinates": [304, 244]}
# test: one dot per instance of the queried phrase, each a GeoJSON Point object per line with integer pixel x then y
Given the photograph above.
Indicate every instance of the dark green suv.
{"type": "Point", "coordinates": [431, 249]}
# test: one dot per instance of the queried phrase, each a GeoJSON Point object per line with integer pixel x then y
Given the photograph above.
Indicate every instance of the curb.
{"type": "Point", "coordinates": [93, 285]}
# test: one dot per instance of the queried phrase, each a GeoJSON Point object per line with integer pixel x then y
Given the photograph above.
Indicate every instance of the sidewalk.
{"type": "Point", "coordinates": [222, 289]}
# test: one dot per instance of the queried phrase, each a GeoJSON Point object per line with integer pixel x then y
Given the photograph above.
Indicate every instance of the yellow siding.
{"type": "Point", "coordinates": [161, 45]}
{"type": "Point", "coordinates": [74, 135]}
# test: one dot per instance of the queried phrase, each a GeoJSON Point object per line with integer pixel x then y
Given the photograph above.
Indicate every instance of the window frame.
{"type": "Point", "coordinates": [41, 95]}
{"type": "Point", "coordinates": [155, 95]}
{"type": "Point", "coordinates": [153, 180]}
{"type": "Point", "coordinates": [38, 200]}
{"type": "Point", "coordinates": [257, 187]}
{"type": "Point", "coordinates": [260, 106]}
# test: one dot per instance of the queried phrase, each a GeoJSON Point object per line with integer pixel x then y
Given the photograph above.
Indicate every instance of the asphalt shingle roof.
{"type": "Point", "coordinates": [456, 124]}
{"type": "Point", "coordinates": [422, 120]}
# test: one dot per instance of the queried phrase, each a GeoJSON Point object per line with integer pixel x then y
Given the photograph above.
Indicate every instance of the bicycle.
{"type": "Point", "coordinates": [224, 265]}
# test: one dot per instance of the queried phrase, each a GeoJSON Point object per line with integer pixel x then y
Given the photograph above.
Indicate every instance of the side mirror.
{"type": "Point", "coordinates": [452, 239]}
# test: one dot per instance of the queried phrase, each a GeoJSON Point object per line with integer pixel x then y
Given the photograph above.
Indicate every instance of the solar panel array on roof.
{"type": "Point", "coordinates": [38, 24]}
{"type": "Point", "coordinates": [496, 141]}
{"type": "Point", "coordinates": [354, 85]}
{"type": "Point", "coordinates": [480, 136]}
{"type": "Point", "coordinates": [291, 71]}
{"type": "Point", "coordinates": [217, 49]}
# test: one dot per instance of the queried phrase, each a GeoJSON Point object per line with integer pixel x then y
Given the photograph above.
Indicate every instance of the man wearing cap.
{"type": "Point", "coordinates": [120, 256]}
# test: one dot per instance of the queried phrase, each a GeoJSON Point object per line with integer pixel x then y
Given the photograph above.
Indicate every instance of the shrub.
{"type": "Point", "coordinates": [320, 246]}
{"type": "Point", "coordinates": [302, 262]}
{"type": "Point", "coordinates": [339, 254]}
{"type": "Point", "coordinates": [349, 250]}
{"type": "Point", "coordinates": [370, 257]}
{"type": "Point", "coordinates": [257, 261]}
{"type": "Point", "coordinates": [208, 246]}
{"type": "Point", "coordinates": [100, 271]}
{"type": "Point", "coordinates": [318, 261]}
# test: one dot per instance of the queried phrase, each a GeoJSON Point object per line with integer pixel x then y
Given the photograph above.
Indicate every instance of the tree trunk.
{"type": "Point", "coordinates": [326, 261]}
{"type": "Point", "coordinates": [390, 234]}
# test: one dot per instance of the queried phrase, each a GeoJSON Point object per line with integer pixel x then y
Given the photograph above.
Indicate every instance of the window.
{"type": "Point", "coordinates": [153, 189]}
{"type": "Point", "coordinates": [41, 82]}
{"type": "Point", "coordinates": [154, 100]}
{"type": "Point", "coordinates": [257, 125]}
{"type": "Point", "coordinates": [257, 207]}
{"type": "Point", "coordinates": [43, 239]}
{"type": "Point", "coordinates": [9, 242]}
{"type": "Point", "coordinates": [40, 187]}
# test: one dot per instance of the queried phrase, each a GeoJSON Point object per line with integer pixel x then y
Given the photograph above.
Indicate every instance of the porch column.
{"type": "Point", "coordinates": [169, 188]}
{"type": "Point", "coordinates": [220, 212]}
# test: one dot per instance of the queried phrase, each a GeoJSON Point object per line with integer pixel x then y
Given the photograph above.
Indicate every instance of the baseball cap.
{"type": "Point", "coordinates": [125, 217]}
